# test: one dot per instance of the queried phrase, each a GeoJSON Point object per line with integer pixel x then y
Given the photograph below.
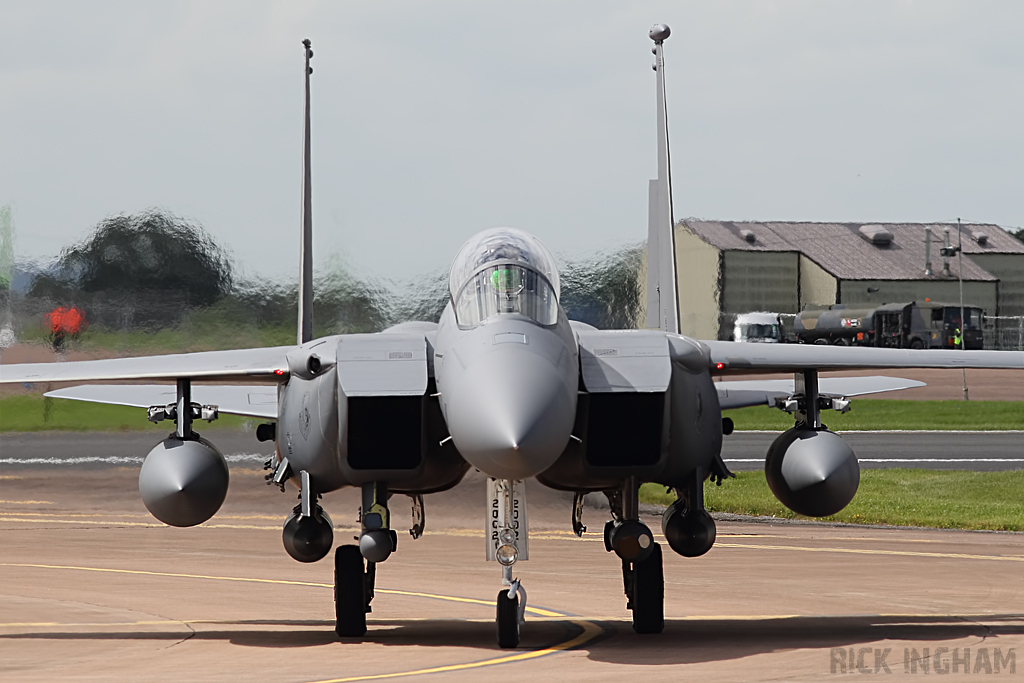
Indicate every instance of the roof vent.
{"type": "Point", "coordinates": [748, 236]}
{"type": "Point", "coordinates": [876, 234]}
{"type": "Point", "coordinates": [981, 238]}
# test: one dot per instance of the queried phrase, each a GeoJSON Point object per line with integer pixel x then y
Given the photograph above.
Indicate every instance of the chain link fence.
{"type": "Point", "coordinates": [1004, 333]}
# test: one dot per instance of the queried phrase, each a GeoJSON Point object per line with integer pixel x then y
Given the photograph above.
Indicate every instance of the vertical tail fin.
{"type": "Point", "coordinates": [662, 291]}
{"type": "Point", "coordinates": [306, 242]}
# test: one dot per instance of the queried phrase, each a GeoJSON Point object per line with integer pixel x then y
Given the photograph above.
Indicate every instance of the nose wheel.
{"type": "Point", "coordinates": [508, 618]}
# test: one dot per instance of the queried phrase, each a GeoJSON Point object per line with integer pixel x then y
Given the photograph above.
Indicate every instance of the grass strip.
{"type": "Point", "coordinates": [32, 413]}
{"type": "Point", "coordinates": [900, 497]}
{"type": "Point", "coordinates": [880, 413]}
{"type": "Point", "coordinates": [36, 413]}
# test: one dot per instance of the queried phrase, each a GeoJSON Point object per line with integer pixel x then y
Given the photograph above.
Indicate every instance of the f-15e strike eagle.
{"type": "Point", "coordinates": [505, 383]}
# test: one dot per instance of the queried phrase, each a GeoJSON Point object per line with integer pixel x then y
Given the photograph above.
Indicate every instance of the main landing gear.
{"type": "Point", "coordinates": [355, 566]}
{"type": "Point", "coordinates": [643, 578]}
{"type": "Point", "coordinates": [353, 591]}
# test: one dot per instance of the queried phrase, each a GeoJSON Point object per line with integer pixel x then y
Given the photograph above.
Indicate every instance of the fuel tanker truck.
{"type": "Point", "coordinates": [913, 325]}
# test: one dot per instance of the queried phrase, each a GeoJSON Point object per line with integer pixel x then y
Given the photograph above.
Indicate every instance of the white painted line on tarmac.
{"type": "Point", "coordinates": [116, 459]}
{"type": "Point", "coordinates": [903, 460]}
{"type": "Point", "coordinates": [894, 431]}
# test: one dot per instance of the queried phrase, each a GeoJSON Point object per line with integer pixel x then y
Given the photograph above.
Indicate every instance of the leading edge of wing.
{"type": "Point", "coordinates": [763, 392]}
{"type": "Point", "coordinates": [237, 365]}
{"type": "Point", "coordinates": [739, 357]}
{"type": "Point", "coordinates": [248, 401]}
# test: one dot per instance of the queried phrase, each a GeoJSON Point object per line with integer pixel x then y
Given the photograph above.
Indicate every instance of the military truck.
{"type": "Point", "coordinates": [913, 325]}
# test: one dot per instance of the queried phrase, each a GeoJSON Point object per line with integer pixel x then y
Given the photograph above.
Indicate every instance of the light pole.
{"type": "Point", "coordinates": [960, 276]}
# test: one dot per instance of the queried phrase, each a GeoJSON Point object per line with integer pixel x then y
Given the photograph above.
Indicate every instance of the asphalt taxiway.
{"type": "Point", "coordinates": [980, 451]}
{"type": "Point", "coordinates": [92, 588]}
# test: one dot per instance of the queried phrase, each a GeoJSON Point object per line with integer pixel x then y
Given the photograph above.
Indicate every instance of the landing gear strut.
{"type": "Point", "coordinates": [355, 566]}
{"type": "Point", "coordinates": [643, 578]}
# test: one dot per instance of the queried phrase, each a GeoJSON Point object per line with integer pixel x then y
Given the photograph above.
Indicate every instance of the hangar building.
{"type": "Point", "coordinates": [726, 268]}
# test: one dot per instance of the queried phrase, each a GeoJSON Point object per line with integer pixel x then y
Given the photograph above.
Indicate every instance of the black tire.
{"type": "Point", "coordinates": [508, 620]}
{"type": "Point", "coordinates": [349, 592]}
{"type": "Point", "coordinates": [649, 594]}
{"type": "Point", "coordinates": [917, 344]}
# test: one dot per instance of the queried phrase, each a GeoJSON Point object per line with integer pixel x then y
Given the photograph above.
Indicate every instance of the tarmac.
{"type": "Point", "coordinates": [93, 588]}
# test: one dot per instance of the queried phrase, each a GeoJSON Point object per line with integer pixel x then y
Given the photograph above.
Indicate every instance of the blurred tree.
{"type": "Point", "coordinates": [152, 251]}
{"type": "Point", "coordinates": [6, 248]}
{"type": "Point", "coordinates": [604, 290]}
{"type": "Point", "coordinates": [138, 270]}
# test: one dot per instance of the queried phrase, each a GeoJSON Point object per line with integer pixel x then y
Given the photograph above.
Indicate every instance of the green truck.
{"type": "Point", "coordinates": [913, 325]}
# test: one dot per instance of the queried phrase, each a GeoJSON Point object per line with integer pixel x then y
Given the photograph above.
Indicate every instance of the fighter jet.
{"type": "Point", "coordinates": [505, 383]}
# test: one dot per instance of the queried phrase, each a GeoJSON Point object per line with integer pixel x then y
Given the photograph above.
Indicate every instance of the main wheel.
{"type": "Point", "coordinates": [649, 594]}
{"type": "Point", "coordinates": [349, 591]}
{"type": "Point", "coordinates": [508, 620]}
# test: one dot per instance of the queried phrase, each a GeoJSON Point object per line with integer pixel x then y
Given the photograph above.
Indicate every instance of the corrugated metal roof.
{"type": "Point", "coordinates": [843, 249]}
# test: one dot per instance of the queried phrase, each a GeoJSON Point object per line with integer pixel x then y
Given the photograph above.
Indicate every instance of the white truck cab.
{"type": "Point", "coordinates": [760, 327]}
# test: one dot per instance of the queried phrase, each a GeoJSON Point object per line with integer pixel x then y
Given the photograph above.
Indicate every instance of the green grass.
{"type": "Point", "coordinates": [34, 413]}
{"type": "Point", "coordinates": [896, 414]}
{"type": "Point", "coordinates": [903, 497]}
{"type": "Point", "coordinates": [183, 339]}
{"type": "Point", "coordinates": [30, 413]}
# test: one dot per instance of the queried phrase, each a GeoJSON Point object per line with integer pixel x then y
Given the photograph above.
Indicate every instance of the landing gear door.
{"type": "Point", "coordinates": [496, 517]}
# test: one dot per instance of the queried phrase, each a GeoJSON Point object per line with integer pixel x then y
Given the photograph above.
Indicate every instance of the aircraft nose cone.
{"type": "Point", "coordinates": [510, 415]}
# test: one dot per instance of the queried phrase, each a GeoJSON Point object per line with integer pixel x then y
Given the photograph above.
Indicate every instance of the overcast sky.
{"type": "Point", "coordinates": [432, 120]}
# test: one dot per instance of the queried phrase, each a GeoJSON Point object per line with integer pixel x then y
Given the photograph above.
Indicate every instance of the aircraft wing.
{"type": "Point", "coordinates": [250, 401]}
{"type": "Point", "coordinates": [741, 358]}
{"type": "Point", "coordinates": [239, 365]}
{"type": "Point", "coordinates": [764, 392]}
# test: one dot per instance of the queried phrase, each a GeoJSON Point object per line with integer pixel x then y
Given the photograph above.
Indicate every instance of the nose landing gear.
{"type": "Point", "coordinates": [507, 543]}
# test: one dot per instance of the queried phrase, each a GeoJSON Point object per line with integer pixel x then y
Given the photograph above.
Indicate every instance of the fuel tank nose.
{"type": "Point", "coordinates": [511, 413]}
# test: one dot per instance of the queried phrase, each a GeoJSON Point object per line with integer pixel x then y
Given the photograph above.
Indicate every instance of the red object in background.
{"type": "Point", "coordinates": [69, 321]}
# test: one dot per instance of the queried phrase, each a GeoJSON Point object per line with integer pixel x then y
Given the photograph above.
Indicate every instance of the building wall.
{"type": "Point", "coordinates": [760, 281]}
{"type": "Point", "coordinates": [1009, 268]}
{"type": "Point", "coordinates": [697, 264]}
{"type": "Point", "coordinates": [817, 285]}
{"type": "Point", "coordinates": [981, 294]}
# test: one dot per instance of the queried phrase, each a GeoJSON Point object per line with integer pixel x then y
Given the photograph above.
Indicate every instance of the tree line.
{"type": "Point", "coordinates": [153, 270]}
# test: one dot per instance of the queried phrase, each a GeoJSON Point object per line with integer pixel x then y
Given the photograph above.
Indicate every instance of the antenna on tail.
{"type": "Point", "coordinates": [306, 242]}
{"type": "Point", "coordinates": [662, 288]}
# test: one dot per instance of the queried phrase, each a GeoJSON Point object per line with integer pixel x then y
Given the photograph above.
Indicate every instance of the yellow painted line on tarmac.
{"type": "Point", "coordinates": [155, 622]}
{"type": "Point", "coordinates": [475, 601]}
{"type": "Point", "coordinates": [551, 535]}
{"type": "Point", "coordinates": [143, 572]}
{"type": "Point", "coordinates": [26, 502]}
{"type": "Point", "coordinates": [866, 551]}
{"type": "Point", "coordinates": [589, 630]}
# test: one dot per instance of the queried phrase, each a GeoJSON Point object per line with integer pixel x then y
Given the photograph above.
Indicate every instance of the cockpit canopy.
{"type": "Point", "coordinates": [504, 270]}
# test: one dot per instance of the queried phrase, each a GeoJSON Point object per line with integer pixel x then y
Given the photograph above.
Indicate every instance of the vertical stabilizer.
{"type": "Point", "coordinates": [662, 290]}
{"type": "Point", "coordinates": [306, 242]}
